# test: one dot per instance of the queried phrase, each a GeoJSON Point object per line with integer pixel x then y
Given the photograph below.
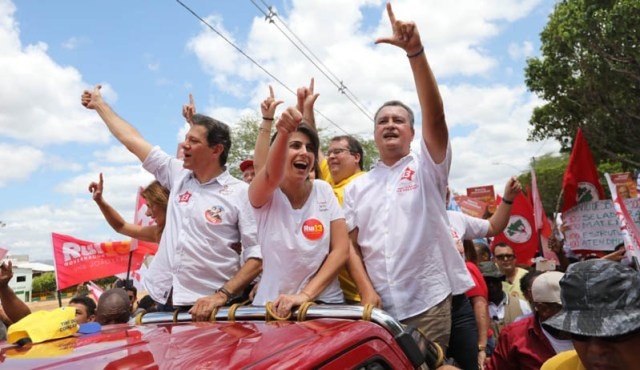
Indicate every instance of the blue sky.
{"type": "Point", "coordinates": [149, 55]}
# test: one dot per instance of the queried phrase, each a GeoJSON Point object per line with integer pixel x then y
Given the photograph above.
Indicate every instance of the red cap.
{"type": "Point", "coordinates": [246, 164]}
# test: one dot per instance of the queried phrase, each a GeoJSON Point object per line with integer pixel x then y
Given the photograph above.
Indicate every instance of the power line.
{"type": "Point", "coordinates": [253, 60]}
{"type": "Point", "coordinates": [337, 82]}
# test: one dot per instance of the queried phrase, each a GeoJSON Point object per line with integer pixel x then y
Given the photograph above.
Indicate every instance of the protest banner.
{"type": "Point", "coordinates": [77, 261]}
{"type": "Point", "coordinates": [625, 185]}
{"type": "Point", "coordinates": [594, 226]}
{"type": "Point", "coordinates": [484, 193]}
{"type": "Point", "coordinates": [628, 228]}
{"type": "Point", "coordinates": [470, 206]}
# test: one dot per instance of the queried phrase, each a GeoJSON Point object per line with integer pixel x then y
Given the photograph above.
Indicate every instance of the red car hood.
{"type": "Point", "coordinates": [208, 345]}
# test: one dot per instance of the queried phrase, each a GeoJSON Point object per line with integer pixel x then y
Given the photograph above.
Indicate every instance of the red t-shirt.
{"type": "Point", "coordinates": [480, 288]}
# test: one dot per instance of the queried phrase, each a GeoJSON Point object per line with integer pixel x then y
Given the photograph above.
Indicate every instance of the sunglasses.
{"type": "Point", "coordinates": [612, 339]}
{"type": "Point", "coordinates": [505, 257]}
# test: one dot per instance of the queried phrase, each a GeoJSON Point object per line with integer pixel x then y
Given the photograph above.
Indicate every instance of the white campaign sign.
{"type": "Point", "coordinates": [594, 225]}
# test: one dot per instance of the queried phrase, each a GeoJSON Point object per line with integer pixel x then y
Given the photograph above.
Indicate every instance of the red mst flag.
{"type": "Point", "coordinates": [581, 181]}
{"type": "Point", "coordinates": [520, 232]}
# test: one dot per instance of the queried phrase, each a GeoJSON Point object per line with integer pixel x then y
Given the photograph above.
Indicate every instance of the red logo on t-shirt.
{"type": "Point", "coordinates": [408, 174]}
{"type": "Point", "coordinates": [312, 229]}
{"type": "Point", "coordinates": [184, 197]}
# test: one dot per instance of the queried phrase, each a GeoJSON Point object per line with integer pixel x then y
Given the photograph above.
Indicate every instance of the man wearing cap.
{"type": "Point", "coordinates": [525, 344]}
{"type": "Point", "coordinates": [248, 172]}
{"type": "Point", "coordinates": [503, 308]}
{"type": "Point", "coordinates": [601, 312]}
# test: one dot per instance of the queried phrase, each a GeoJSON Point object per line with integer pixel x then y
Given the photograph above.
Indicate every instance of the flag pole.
{"type": "Point", "coordinates": [126, 282]}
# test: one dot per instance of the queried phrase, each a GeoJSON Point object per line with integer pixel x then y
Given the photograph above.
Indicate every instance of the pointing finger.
{"type": "Point", "coordinates": [311, 86]}
{"type": "Point", "coordinates": [191, 102]}
{"type": "Point", "coordinates": [392, 17]}
{"type": "Point", "coordinates": [271, 92]}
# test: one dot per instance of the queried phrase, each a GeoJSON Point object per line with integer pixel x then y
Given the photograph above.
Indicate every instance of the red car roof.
{"type": "Point", "coordinates": [210, 345]}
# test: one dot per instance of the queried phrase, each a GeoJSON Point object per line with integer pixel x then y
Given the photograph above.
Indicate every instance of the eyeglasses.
{"type": "Point", "coordinates": [337, 151]}
{"type": "Point", "coordinates": [505, 257]}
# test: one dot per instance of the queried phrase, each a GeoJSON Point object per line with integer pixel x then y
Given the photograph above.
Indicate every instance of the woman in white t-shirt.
{"type": "Point", "coordinates": [301, 227]}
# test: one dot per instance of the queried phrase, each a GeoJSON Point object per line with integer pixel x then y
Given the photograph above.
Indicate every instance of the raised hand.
{"type": "Point", "coordinates": [405, 34]}
{"type": "Point", "coordinates": [6, 273]}
{"type": "Point", "coordinates": [285, 303]}
{"type": "Point", "coordinates": [269, 105]}
{"type": "Point", "coordinates": [95, 188]}
{"type": "Point", "coordinates": [289, 121]}
{"type": "Point", "coordinates": [306, 98]}
{"type": "Point", "coordinates": [91, 99]}
{"type": "Point", "coordinates": [188, 110]}
{"type": "Point", "coordinates": [512, 189]}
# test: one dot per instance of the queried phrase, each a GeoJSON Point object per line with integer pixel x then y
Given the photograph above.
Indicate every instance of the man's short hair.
{"type": "Point", "coordinates": [354, 147]}
{"type": "Point", "coordinates": [114, 307]}
{"type": "Point", "coordinates": [395, 103]}
{"type": "Point", "coordinates": [503, 245]}
{"type": "Point", "coordinates": [600, 298]}
{"type": "Point", "coordinates": [84, 300]}
{"type": "Point", "coordinates": [217, 133]}
{"type": "Point", "coordinates": [132, 289]}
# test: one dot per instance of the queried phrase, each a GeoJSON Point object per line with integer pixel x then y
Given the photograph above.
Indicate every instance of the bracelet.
{"type": "Point", "coordinates": [267, 119]}
{"type": "Point", "coordinates": [225, 292]}
{"type": "Point", "coordinates": [481, 347]}
{"type": "Point", "coordinates": [417, 53]}
{"type": "Point", "coordinates": [509, 202]}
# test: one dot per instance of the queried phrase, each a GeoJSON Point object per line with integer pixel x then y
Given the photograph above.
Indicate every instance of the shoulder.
{"type": "Point", "coordinates": [519, 327]}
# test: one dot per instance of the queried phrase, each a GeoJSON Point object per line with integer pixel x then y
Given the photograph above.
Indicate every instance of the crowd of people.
{"type": "Point", "coordinates": [305, 226]}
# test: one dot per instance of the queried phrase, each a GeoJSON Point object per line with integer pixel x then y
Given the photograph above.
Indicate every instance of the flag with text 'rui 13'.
{"type": "Point", "coordinates": [520, 233]}
{"type": "Point", "coordinates": [581, 182]}
{"type": "Point", "coordinates": [628, 228]}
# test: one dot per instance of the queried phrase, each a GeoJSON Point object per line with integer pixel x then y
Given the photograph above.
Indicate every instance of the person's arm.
{"type": "Point", "coordinates": [557, 247]}
{"type": "Point", "coordinates": [434, 127]}
{"type": "Point", "coordinates": [121, 130]}
{"type": "Point", "coordinates": [11, 304]}
{"type": "Point", "coordinates": [500, 219]}
{"type": "Point", "coordinates": [502, 358]}
{"type": "Point", "coordinates": [358, 272]}
{"type": "Point", "coordinates": [203, 307]}
{"type": "Point", "coordinates": [269, 177]}
{"type": "Point", "coordinates": [337, 257]}
{"type": "Point", "coordinates": [268, 110]}
{"type": "Point", "coordinates": [146, 233]}
{"type": "Point", "coordinates": [481, 312]}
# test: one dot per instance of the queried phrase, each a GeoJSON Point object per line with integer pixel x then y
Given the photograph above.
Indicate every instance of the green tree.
{"type": "Point", "coordinates": [550, 169]}
{"type": "Point", "coordinates": [245, 134]}
{"type": "Point", "coordinates": [44, 283]}
{"type": "Point", "coordinates": [589, 76]}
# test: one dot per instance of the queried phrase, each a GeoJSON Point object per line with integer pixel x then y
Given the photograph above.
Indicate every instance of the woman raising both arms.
{"type": "Point", "coordinates": [301, 227]}
{"type": "Point", "coordinates": [157, 198]}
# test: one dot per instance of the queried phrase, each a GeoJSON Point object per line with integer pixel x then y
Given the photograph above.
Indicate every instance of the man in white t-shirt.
{"type": "Point", "coordinates": [405, 261]}
{"type": "Point", "coordinates": [208, 215]}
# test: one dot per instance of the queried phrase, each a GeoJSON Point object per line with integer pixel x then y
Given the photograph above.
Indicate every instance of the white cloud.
{"type": "Point", "coordinates": [73, 42]}
{"type": "Point", "coordinates": [40, 110]}
{"type": "Point", "coordinates": [116, 154]}
{"type": "Point", "coordinates": [18, 162]}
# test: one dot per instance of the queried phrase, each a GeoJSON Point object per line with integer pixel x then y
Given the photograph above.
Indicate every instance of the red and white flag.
{"type": "Point", "coordinates": [95, 290]}
{"type": "Point", "coordinates": [520, 232]}
{"type": "Point", "coordinates": [630, 232]}
{"type": "Point", "coordinates": [581, 182]}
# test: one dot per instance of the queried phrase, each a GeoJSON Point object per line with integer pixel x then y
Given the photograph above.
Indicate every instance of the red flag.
{"type": "Point", "coordinates": [629, 230]}
{"type": "Point", "coordinates": [581, 182]}
{"type": "Point", "coordinates": [78, 261]}
{"type": "Point", "coordinates": [520, 232]}
{"type": "Point", "coordinates": [95, 290]}
{"type": "Point", "coordinates": [542, 221]}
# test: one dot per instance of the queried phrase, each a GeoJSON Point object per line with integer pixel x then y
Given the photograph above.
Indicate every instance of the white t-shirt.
{"type": "Point", "coordinates": [404, 233]}
{"type": "Point", "coordinates": [295, 243]}
{"type": "Point", "coordinates": [465, 227]}
{"type": "Point", "coordinates": [198, 249]}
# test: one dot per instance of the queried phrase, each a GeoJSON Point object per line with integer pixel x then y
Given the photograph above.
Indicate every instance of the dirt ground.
{"type": "Point", "coordinates": [46, 305]}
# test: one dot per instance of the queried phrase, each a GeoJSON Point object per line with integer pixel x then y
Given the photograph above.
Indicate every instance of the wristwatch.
{"type": "Point", "coordinates": [481, 347]}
